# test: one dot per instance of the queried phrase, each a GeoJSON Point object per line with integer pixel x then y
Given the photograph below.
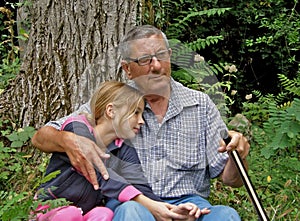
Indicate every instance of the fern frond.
{"type": "Point", "coordinates": [182, 55]}
{"type": "Point", "coordinates": [283, 126]}
{"type": "Point", "coordinates": [257, 93]}
{"type": "Point", "coordinates": [281, 97]}
{"type": "Point", "coordinates": [291, 85]}
{"type": "Point", "coordinates": [203, 43]}
{"type": "Point", "coordinates": [209, 12]}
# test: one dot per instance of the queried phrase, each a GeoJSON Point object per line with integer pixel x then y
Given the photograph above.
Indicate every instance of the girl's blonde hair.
{"type": "Point", "coordinates": [119, 94]}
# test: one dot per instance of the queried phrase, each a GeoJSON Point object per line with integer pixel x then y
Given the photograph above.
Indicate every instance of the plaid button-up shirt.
{"type": "Point", "coordinates": [179, 156]}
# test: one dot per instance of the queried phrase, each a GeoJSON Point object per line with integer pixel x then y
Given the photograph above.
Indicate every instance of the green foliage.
{"type": "Point", "coordinates": [200, 43]}
{"type": "Point", "coordinates": [282, 129]}
{"type": "Point", "coordinates": [21, 174]}
{"type": "Point", "coordinates": [8, 71]}
{"type": "Point", "coordinates": [9, 59]}
{"type": "Point", "coordinates": [11, 163]}
{"type": "Point", "coordinates": [12, 160]}
{"type": "Point", "coordinates": [22, 206]}
{"type": "Point", "coordinates": [18, 138]}
{"type": "Point", "coordinates": [276, 128]}
{"type": "Point", "coordinates": [281, 30]}
{"type": "Point", "coordinates": [292, 86]}
{"type": "Point", "coordinates": [11, 209]}
{"type": "Point", "coordinates": [274, 161]}
{"type": "Point", "coordinates": [46, 178]}
{"type": "Point", "coordinates": [190, 69]}
{"type": "Point", "coordinates": [276, 120]}
{"type": "Point", "coordinates": [276, 183]}
{"type": "Point", "coordinates": [258, 111]}
{"type": "Point", "coordinates": [262, 39]}
{"type": "Point", "coordinates": [13, 205]}
{"type": "Point", "coordinates": [275, 148]}
{"type": "Point", "coordinates": [187, 17]}
{"type": "Point", "coordinates": [274, 45]}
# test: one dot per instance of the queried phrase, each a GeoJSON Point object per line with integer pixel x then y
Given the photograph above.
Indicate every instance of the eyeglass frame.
{"type": "Point", "coordinates": [137, 60]}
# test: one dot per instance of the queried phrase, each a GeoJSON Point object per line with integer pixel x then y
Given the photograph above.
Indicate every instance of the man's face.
{"type": "Point", "coordinates": [152, 78]}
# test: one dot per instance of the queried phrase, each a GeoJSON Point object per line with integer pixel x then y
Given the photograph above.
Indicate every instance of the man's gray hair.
{"type": "Point", "coordinates": [139, 32]}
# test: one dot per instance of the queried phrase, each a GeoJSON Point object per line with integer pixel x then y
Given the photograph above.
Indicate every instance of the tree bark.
{"type": "Point", "coordinates": [72, 47]}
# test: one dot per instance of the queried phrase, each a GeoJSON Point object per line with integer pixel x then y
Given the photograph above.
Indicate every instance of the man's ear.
{"type": "Point", "coordinates": [126, 68]}
{"type": "Point", "coordinates": [110, 112]}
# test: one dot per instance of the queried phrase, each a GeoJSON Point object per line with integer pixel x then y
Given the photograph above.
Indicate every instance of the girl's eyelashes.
{"type": "Point", "coordinates": [138, 111]}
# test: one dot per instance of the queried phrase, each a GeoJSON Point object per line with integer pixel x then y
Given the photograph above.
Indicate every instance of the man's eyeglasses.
{"type": "Point", "coordinates": [147, 59]}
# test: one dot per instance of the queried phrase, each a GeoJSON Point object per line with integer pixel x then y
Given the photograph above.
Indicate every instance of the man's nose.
{"type": "Point", "coordinates": [155, 64]}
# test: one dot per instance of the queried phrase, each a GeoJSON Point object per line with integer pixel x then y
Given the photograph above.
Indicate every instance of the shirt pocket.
{"type": "Point", "coordinates": [187, 152]}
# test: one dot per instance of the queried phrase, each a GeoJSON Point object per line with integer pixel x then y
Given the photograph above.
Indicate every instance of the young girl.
{"type": "Point", "coordinates": [116, 115]}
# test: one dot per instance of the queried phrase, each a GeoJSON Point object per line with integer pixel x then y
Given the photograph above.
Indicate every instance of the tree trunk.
{"type": "Point", "coordinates": [71, 49]}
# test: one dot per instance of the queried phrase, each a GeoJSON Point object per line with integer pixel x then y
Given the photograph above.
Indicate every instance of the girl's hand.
{"type": "Point", "coordinates": [160, 210]}
{"type": "Point", "coordinates": [190, 210]}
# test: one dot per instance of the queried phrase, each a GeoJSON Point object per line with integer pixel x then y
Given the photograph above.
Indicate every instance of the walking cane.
{"type": "Point", "coordinates": [248, 184]}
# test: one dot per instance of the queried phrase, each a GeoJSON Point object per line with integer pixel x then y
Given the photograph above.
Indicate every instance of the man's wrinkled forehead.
{"type": "Point", "coordinates": [143, 45]}
{"type": "Point", "coordinates": [147, 44]}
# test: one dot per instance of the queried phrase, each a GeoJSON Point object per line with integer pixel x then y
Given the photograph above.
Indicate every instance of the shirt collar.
{"type": "Point", "coordinates": [180, 95]}
{"type": "Point", "coordinates": [117, 143]}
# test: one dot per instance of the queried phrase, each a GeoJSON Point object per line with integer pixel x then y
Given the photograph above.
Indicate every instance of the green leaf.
{"type": "Point", "coordinates": [294, 164]}
{"type": "Point", "coordinates": [13, 137]}
{"type": "Point", "coordinates": [17, 144]}
{"type": "Point", "coordinates": [290, 134]}
{"type": "Point", "coordinates": [267, 152]}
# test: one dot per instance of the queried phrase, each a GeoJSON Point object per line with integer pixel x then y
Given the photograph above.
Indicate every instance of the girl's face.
{"type": "Point", "coordinates": [128, 128]}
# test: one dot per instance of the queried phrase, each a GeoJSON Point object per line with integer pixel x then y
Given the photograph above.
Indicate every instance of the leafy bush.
{"type": "Point", "coordinates": [20, 174]}
{"type": "Point", "coordinates": [22, 206]}
{"type": "Point", "coordinates": [10, 63]}
{"type": "Point", "coordinates": [275, 146]}
{"type": "Point", "coordinates": [277, 119]}
{"type": "Point", "coordinates": [260, 37]}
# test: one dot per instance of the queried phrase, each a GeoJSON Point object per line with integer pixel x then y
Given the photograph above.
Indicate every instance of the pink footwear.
{"type": "Point", "coordinates": [99, 214]}
{"type": "Point", "coordinates": [64, 213]}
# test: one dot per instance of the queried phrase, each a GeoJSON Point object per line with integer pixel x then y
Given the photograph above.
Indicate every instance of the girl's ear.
{"type": "Point", "coordinates": [126, 68]}
{"type": "Point", "coordinates": [110, 110]}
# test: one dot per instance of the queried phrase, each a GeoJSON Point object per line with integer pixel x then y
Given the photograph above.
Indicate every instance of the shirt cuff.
{"type": "Point", "coordinates": [128, 193]}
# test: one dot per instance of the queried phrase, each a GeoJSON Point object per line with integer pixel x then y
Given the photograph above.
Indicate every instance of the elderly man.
{"type": "Point", "coordinates": [181, 145]}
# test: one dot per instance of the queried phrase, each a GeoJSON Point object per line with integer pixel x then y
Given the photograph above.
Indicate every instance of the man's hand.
{"type": "Point", "coordinates": [84, 155]}
{"type": "Point", "coordinates": [238, 142]}
{"type": "Point", "coordinates": [230, 175]}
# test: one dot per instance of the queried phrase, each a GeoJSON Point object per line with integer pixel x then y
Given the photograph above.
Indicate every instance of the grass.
{"type": "Point", "coordinates": [276, 181]}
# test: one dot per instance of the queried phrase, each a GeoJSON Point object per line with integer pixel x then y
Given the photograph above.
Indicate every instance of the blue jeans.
{"type": "Point", "coordinates": [217, 212]}
{"type": "Point", "coordinates": [134, 211]}
{"type": "Point", "coordinates": [129, 211]}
